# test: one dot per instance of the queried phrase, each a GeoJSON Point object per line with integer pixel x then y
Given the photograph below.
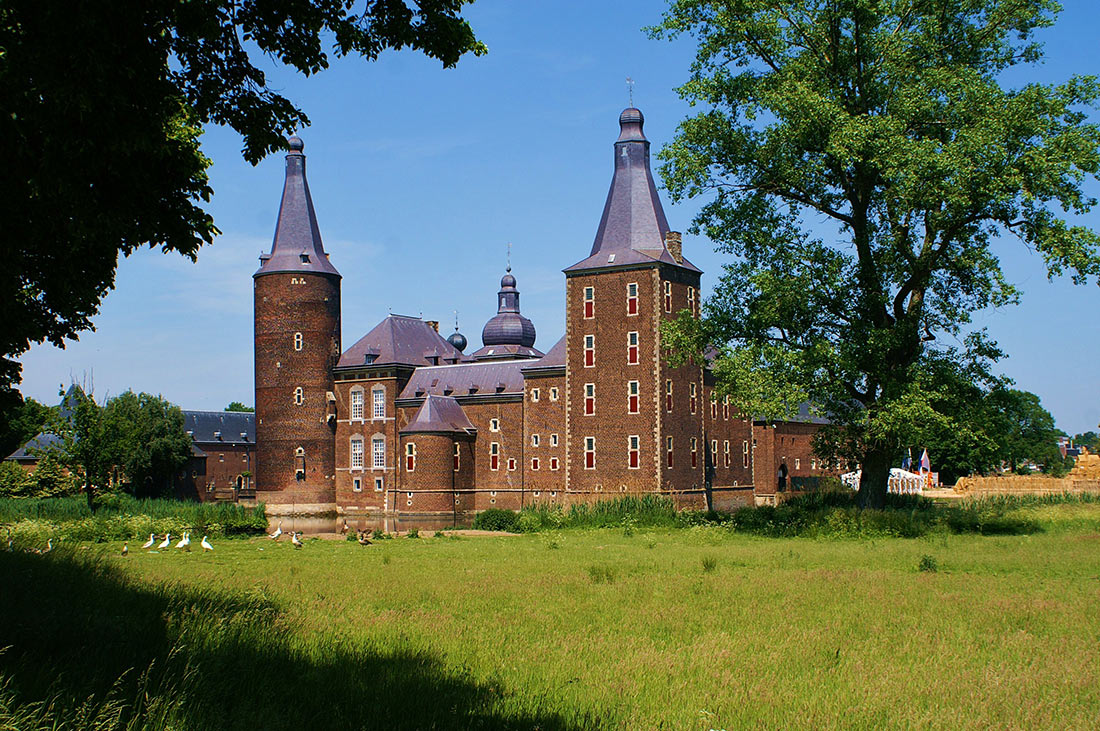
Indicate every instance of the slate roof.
{"type": "Point", "coordinates": [491, 352]}
{"type": "Point", "coordinates": [220, 427]}
{"type": "Point", "coordinates": [43, 441]}
{"type": "Point", "coordinates": [803, 416]}
{"type": "Point", "coordinates": [554, 358]}
{"type": "Point", "coordinates": [633, 226]}
{"type": "Point", "coordinates": [485, 378]}
{"type": "Point", "coordinates": [297, 245]}
{"type": "Point", "coordinates": [508, 326]}
{"type": "Point", "coordinates": [400, 339]}
{"type": "Point", "coordinates": [440, 414]}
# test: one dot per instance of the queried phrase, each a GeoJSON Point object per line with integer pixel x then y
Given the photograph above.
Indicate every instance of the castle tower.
{"type": "Point", "coordinates": [507, 334]}
{"type": "Point", "coordinates": [297, 340]}
{"type": "Point", "coordinates": [634, 424]}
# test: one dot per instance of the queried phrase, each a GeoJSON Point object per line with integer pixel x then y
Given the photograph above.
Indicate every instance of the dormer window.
{"type": "Point", "coordinates": [369, 358]}
{"type": "Point", "coordinates": [304, 257]}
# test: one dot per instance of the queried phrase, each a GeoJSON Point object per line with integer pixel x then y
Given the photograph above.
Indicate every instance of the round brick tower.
{"type": "Point", "coordinates": [297, 339]}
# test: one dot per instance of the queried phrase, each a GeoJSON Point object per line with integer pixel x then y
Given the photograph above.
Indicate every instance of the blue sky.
{"type": "Point", "coordinates": [420, 177]}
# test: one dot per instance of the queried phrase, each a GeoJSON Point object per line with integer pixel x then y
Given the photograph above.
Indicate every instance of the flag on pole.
{"type": "Point", "coordinates": [925, 463]}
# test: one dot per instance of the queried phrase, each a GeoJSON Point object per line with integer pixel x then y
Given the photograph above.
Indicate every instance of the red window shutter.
{"type": "Point", "coordinates": [494, 462]}
{"type": "Point", "coordinates": [632, 306]}
{"type": "Point", "coordinates": [669, 458]}
{"type": "Point", "coordinates": [694, 459]}
{"type": "Point", "coordinates": [634, 404]}
{"type": "Point", "coordinates": [590, 358]}
{"type": "Point", "coordinates": [668, 402]}
{"type": "Point", "coordinates": [589, 406]}
{"type": "Point", "coordinates": [632, 355]}
{"type": "Point", "coordinates": [410, 463]}
{"type": "Point", "coordinates": [456, 463]}
{"type": "Point", "coordinates": [590, 459]}
{"type": "Point", "coordinates": [633, 459]}
{"type": "Point", "coordinates": [589, 308]}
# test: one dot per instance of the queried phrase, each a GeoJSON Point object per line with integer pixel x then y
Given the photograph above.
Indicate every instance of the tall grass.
{"type": "Point", "coordinates": [121, 517]}
{"type": "Point", "coordinates": [648, 511]}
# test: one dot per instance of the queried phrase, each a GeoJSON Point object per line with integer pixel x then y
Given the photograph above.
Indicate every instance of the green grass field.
{"type": "Point", "coordinates": [695, 628]}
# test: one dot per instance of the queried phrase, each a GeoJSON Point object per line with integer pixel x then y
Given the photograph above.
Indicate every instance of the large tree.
{"type": "Point", "coordinates": [101, 110]}
{"type": "Point", "coordinates": [864, 165]}
{"type": "Point", "coordinates": [146, 441]}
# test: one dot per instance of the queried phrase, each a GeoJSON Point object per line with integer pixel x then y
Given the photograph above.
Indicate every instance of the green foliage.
{"type": "Point", "coordinates": [1089, 439]}
{"type": "Point", "coordinates": [928, 564]}
{"type": "Point", "coordinates": [380, 535]}
{"type": "Point", "coordinates": [121, 517]}
{"type": "Point", "coordinates": [21, 420]}
{"type": "Point", "coordinates": [238, 406]}
{"type": "Point", "coordinates": [710, 563]}
{"type": "Point", "coordinates": [14, 480]}
{"type": "Point", "coordinates": [146, 440]}
{"type": "Point", "coordinates": [497, 519]}
{"type": "Point", "coordinates": [413, 533]}
{"type": "Point", "coordinates": [51, 478]}
{"type": "Point", "coordinates": [863, 166]}
{"type": "Point", "coordinates": [105, 104]}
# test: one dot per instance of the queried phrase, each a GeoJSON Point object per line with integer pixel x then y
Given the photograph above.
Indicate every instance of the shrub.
{"type": "Point", "coordinates": [413, 533]}
{"type": "Point", "coordinates": [928, 564]}
{"type": "Point", "coordinates": [709, 563]}
{"type": "Point", "coordinates": [497, 519]}
{"type": "Point", "coordinates": [14, 480]}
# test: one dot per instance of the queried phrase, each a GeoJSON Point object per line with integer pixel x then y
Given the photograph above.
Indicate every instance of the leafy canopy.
{"type": "Point", "coordinates": [238, 406]}
{"type": "Point", "coordinates": [102, 109]}
{"type": "Point", "coordinates": [863, 166]}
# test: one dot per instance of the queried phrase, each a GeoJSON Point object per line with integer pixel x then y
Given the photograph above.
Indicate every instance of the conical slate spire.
{"type": "Point", "coordinates": [297, 246]}
{"type": "Point", "coordinates": [633, 226]}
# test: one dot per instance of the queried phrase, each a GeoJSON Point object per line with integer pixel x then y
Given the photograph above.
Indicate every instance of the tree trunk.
{"type": "Point", "coordinates": [90, 492]}
{"type": "Point", "coordinates": [874, 476]}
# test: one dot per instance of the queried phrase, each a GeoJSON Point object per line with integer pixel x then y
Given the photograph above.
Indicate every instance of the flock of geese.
{"type": "Point", "coordinates": [184, 543]}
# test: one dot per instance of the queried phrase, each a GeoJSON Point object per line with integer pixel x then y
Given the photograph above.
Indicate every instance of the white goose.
{"type": "Point", "coordinates": [152, 539]}
{"type": "Point", "coordinates": [206, 545]}
{"type": "Point", "coordinates": [294, 539]}
{"type": "Point", "coordinates": [125, 549]}
{"type": "Point", "coordinates": [166, 542]}
{"type": "Point", "coordinates": [185, 542]}
{"type": "Point", "coordinates": [278, 532]}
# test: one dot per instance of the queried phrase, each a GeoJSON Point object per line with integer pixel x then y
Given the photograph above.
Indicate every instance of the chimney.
{"type": "Point", "coordinates": [434, 325]}
{"type": "Point", "coordinates": [674, 242]}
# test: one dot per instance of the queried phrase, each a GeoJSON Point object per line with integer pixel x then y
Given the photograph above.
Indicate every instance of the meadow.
{"type": "Point", "coordinates": [700, 627]}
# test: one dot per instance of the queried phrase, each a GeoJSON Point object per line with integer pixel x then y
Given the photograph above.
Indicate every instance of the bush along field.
{"type": "Point", "coordinates": [119, 517]}
{"type": "Point", "coordinates": [692, 624]}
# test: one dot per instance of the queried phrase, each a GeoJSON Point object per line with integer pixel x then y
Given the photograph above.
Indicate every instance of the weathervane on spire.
{"type": "Point", "coordinates": [456, 320]}
{"type": "Point", "coordinates": [509, 259]}
{"type": "Point", "coordinates": [630, 90]}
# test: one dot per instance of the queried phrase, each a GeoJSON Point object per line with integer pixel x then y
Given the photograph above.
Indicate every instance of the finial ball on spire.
{"type": "Point", "coordinates": [296, 144]}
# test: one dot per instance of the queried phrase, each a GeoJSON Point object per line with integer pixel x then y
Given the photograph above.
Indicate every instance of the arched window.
{"type": "Point", "coordinates": [357, 404]}
{"type": "Point", "coordinates": [299, 396]}
{"type": "Point", "coordinates": [297, 341]}
{"type": "Point", "coordinates": [357, 452]}
{"type": "Point", "coordinates": [300, 464]}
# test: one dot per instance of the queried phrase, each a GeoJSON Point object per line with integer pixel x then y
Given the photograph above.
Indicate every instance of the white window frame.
{"type": "Point", "coordinates": [589, 393]}
{"type": "Point", "coordinates": [554, 440]}
{"type": "Point", "coordinates": [494, 425]}
{"type": "Point", "coordinates": [590, 448]}
{"type": "Point", "coordinates": [357, 451]}
{"type": "Point", "coordinates": [297, 341]}
{"type": "Point", "coordinates": [632, 341]}
{"type": "Point", "coordinates": [534, 394]}
{"type": "Point", "coordinates": [299, 396]}
{"type": "Point", "coordinates": [553, 393]}
{"type": "Point", "coordinates": [378, 453]}
{"type": "Point", "coordinates": [356, 400]}
{"type": "Point", "coordinates": [534, 440]}
{"type": "Point", "coordinates": [378, 402]}
{"type": "Point", "coordinates": [588, 296]}
{"type": "Point", "coordinates": [634, 449]}
{"type": "Point", "coordinates": [633, 390]}
{"type": "Point", "coordinates": [589, 347]}
{"type": "Point", "coordinates": [632, 297]}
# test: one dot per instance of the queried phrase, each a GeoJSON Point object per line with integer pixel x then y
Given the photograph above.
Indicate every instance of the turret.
{"type": "Point", "coordinates": [297, 340]}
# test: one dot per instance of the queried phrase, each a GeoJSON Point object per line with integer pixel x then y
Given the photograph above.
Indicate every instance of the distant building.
{"type": "Point", "coordinates": [223, 456]}
{"type": "Point", "coordinates": [405, 421]}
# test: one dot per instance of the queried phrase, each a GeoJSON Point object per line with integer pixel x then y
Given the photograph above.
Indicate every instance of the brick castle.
{"type": "Point", "coordinates": [405, 421]}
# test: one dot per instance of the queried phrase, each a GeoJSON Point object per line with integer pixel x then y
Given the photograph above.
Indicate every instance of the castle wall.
{"type": "Point", "coordinates": [544, 481]}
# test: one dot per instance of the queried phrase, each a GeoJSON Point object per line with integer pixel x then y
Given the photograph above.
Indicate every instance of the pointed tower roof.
{"type": "Point", "coordinates": [297, 246]}
{"type": "Point", "coordinates": [440, 414]}
{"type": "Point", "coordinates": [633, 226]}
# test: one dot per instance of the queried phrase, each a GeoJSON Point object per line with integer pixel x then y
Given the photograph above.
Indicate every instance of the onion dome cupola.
{"type": "Point", "coordinates": [457, 339]}
{"type": "Point", "coordinates": [297, 246]}
{"type": "Point", "coordinates": [633, 228]}
{"type": "Point", "coordinates": [508, 334]}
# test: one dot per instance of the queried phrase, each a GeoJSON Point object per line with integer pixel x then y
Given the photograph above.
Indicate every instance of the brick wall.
{"type": "Point", "coordinates": [546, 419]}
{"type": "Point", "coordinates": [285, 305]}
{"type": "Point", "coordinates": [368, 497]}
